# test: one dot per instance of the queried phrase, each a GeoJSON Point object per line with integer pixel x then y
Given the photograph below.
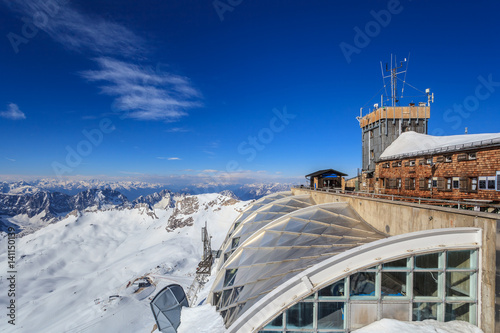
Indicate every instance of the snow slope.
{"type": "Point", "coordinates": [68, 270]}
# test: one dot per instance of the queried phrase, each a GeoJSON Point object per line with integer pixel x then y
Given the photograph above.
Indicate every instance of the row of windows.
{"type": "Point", "coordinates": [431, 160]}
{"type": "Point", "coordinates": [464, 184]}
{"type": "Point", "coordinates": [440, 286]}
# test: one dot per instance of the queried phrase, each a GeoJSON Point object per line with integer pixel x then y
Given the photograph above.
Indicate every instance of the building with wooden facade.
{"type": "Point", "coordinates": [458, 167]}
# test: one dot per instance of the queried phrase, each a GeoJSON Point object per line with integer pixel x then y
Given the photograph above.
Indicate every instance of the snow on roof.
{"type": "Point", "coordinates": [412, 143]}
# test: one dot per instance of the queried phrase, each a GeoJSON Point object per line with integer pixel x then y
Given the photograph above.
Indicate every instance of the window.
{"type": "Point", "coordinates": [456, 183]}
{"type": "Point", "coordinates": [436, 285]}
{"type": "Point", "coordinates": [412, 163]}
{"type": "Point", "coordinates": [423, 184]}
{"type": "Point", "coordinates": [471, 156]}
{"type": "Point", "coordinates": [429, 161]}
{"type": "Point", "coordinates": [448, 159]}
{"type": "Point", "coordinates": [487, 183]}
{"type": "Point", "coordinates": [498, 181]}
{"type": "Point", "coordinates": [385, 165]}
{"type": "Point", "coordinates": [235, 242]}
{"type": "Point", "coordinates": [409, 183]}
{"type": "Point", "coordinates": [434, 182]}
{"type": "Point", "coordinates": [448, 185]}
{"type": "Point", "coordinates": [399, 183]}
{"type": "Point", "coordinates": [461, 157]}
{"type": "Point", "coordinates": [473, 184]}
{"type": "Point", "coordinates": [430, 183]}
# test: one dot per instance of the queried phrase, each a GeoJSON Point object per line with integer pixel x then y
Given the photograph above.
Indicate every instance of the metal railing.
{"type": "Point", "coordinates": [467, 205]}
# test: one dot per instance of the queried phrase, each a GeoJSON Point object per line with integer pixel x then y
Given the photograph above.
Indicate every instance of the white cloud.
{"type": "Point", "coordinates": [169, 158]}
{"type": "Point", "coordinates": [13, 113]}
{"type": "Point", "coordinates": [79, 32]}
{"type": "Point", "coordinates": [10, 159]}
{"type": "Point", "coordinates": [141, 93]}
{"type": "Point", "coordinates": [177, 130]}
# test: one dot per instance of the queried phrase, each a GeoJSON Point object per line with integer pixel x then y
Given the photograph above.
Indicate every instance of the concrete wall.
{"type": "Point", "coordinates": [395, 218]}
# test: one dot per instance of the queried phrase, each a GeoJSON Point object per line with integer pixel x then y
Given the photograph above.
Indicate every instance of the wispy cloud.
{"type": "Point", "coordinates": [10, 159]}
{"type": "Point", "coordinates": [169, 158]}
{"type": "Point", "coordinates": [143, 93]}
{"type": "Point", "coordinates": [13, 113]}
{"type": "Point", "coordinates": [79, 32]}
{"type": "Point", "coordinates": [140, 92]}
{"type": "Point", "coordinates": [209, 171]}
{"type": "Point", "coordinates": [177, 130]}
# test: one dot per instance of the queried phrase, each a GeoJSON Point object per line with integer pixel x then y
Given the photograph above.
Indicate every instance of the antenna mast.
{"type": "Point", "coordinates": [394, 78]}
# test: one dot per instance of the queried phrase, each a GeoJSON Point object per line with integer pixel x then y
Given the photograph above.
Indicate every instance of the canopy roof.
{"type": "Point", "coordinates": [283, 248]}
{"type": "Point", "coordinates": [326, 171]}
{"type": "Point", "coordinates": [416, 144]}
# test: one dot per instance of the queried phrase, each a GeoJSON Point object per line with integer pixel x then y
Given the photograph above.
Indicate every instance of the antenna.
{"type": "Point", "coordinates": [394, 77]}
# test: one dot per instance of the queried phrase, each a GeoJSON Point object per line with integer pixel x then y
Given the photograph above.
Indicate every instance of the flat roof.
{"type": "Point", "coordinates": [321, 172]}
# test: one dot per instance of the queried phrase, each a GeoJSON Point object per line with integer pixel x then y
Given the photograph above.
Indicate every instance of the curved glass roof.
{"type": "Point", "coordinates": [281, 249]}
{"type": "Point", "coordinates": [258, 215]}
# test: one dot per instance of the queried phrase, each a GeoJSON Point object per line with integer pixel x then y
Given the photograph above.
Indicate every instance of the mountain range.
{"type": "Point", "coordinates": [29, 206]}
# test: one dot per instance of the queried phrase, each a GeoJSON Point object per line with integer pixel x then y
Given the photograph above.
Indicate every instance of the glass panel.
{"type": "Point", "coordinates": [334, 290]}
{"type": "Point", "coordinates": [400, 263]}
{"type": "Point", "coordinates": [229, 277]}
{"type": "Point", "coordinates": [331, 315]}
{"type": "Point", "coordinates": [458, 284]}
{"type": "Point", "coordinates": [394, 283]}
{"type": "Point", "coordinates": [362, 314]}
{"type": "Point", "coordinates": [422, 311]}
{"type": "Point", "coordinates": [396, 311]}
{"type": "Point", "coordinates": [425, 283]}
{"type": "Point", "coordinates": [276, 322]}
{"type": "Point", "coordinates": [363, 284]}
{"type": "Point", "coordinates": [427, 261]}
{"type": "Point", "coordinates": [300, 316]}
{"type": "Point", "coordinates": [216, 299]}
{"type": "Point", "coordinates": [225, 298]}
{"type": "Point", "coordinates": [459, 259]}
{"type": "Point", "coordinates": [235, 242]}
{"type": "Point", "coordinates": [457, 311]}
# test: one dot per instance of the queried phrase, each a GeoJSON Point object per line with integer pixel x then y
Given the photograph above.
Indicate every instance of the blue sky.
{"type": "Point", "coordinates": [231, 90]}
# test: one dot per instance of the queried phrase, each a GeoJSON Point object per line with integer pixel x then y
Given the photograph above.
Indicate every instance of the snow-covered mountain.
{"type": "Point", "coordinates": [78, 273]}
{"type": "Point", "coordinates": [135, 189]}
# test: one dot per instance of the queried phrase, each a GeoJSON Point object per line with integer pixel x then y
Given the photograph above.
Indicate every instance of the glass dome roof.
{"type": "Point", "coordinates": [272, 252]}
{"type": "Point", "coordinates": [259, 214]}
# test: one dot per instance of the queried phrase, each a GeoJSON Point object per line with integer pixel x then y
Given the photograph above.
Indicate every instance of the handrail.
{"type": "Point", "coordinates": [417, 200]}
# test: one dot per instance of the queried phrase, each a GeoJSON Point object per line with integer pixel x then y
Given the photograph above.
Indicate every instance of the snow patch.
{"type": "Point", "coordinates": [426, 326]}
